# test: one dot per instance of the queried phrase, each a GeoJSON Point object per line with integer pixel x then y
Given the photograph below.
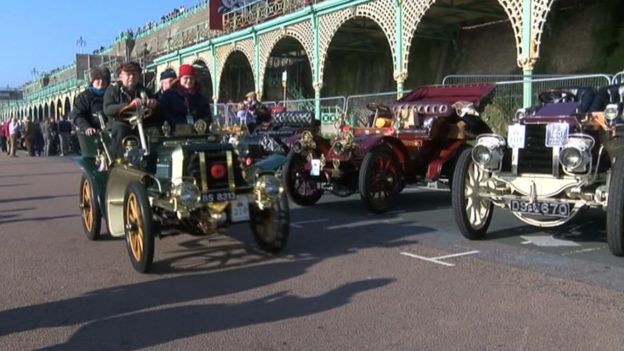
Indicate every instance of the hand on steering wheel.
{"type": "Point", "coordinates": [130, 113]}
{"type": "Point", "coordinates": [556, 96]}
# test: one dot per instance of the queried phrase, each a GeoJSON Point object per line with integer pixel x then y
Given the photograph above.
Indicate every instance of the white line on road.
{"type": "Point", "coordinates": [439, 259]}
{"type": "Point", "coordinates": [299, 224]}
{"type": "Point", "coordinates": [364, 223]}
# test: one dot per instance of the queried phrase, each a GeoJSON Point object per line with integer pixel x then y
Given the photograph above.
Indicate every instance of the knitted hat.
{"type": "Point", "coordinates": [100, 73]}
{"type": "Point", "coordinates": [168, 73]}
{"type": "Point", "coordinates": [187, 70]}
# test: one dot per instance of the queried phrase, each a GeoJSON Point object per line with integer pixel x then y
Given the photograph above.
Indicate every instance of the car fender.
{"type": "Point", "coordinates": [434, 169]}
{"type": "Point", "coordinates": [368, 142]}
{"type": "Point", "coordinates": [272, 163]}
{"type": "Point", "coordinates": [118, 180]}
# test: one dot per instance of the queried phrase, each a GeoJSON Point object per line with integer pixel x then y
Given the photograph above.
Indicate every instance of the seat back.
{"type": "Point", "coordinates": [584, 95]}
{"type": "Point", "coordinates": [607, 95]}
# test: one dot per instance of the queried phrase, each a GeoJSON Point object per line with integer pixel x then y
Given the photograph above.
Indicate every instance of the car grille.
{"type": "Point", "coordinates": [535, 157]}
{"type": "Point", "coordinates": [193, 169]}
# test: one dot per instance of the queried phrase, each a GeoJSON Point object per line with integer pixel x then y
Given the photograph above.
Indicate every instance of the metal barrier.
{"type": "Point", "coordinates": [508, 94]}
{"type": "Point", "coordinates": [618, 78]}
{"type": "Point", "coordinates": [356, 110]}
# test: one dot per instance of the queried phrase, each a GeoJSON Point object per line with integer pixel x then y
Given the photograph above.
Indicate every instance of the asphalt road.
{"type": "Point", "coordinates": [347, 280]}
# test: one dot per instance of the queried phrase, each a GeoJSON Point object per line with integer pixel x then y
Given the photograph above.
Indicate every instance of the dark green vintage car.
{"type": "Point", "coordinates": [171, 183]}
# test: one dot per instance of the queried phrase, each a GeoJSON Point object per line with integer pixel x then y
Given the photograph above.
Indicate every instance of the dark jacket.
{"type": "Point", "coordinates": [117, 97]}
{"type": "Point", "coordinates": [175, 105]}
{"type": "Point", "coordinates": [87, 104]}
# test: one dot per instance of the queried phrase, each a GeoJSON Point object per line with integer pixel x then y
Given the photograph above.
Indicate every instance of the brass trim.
{"type": "Point", "coordinates": [230, 166]}
{"type": "Point", "coordinates": [202, 169]}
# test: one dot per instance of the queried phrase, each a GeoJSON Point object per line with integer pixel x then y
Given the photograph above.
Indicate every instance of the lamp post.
{"type": "Point", "coordinates": [284, 83]}
{"type": "Point", "coordinates": [81, 43]}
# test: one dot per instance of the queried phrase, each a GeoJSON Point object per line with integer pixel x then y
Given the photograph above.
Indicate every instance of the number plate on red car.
{"type": "Point", "coordinates": [540, 208]}
{"type": "Point", "coordinates": [219, 197]}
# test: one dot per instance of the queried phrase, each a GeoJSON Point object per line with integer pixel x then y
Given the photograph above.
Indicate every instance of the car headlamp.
{"type": "Point", "coordinates": [611, 112]}
{"type": "Point", "coordinates": [215, 128]}
{"type": "Point", "coordinates": [489, 151]}
{"type": "Point", "coordinates": [575, 155]}
{"type": "Point", "coordinates": [187, 193]}
{"type": "Point", "coordinates": [520, 114]}
{"type": "Point", "coordinates": [338, 148]}
{"type": "Point", "coordinates": [269, 185]}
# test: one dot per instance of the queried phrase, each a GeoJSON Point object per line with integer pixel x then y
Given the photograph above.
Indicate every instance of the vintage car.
{"type": "Point", "coordinates": [171, 183]}
{"type": "Point", "coordinates": [558, 157]}
{"type": "Point", "coordinates": [267, 146]}
{"type": "Point", "coordinates": [413, 141]}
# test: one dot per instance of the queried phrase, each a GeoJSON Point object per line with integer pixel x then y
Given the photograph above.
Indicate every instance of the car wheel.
{"type": "Point", "coordinates": [472, 213]}
{"type": "Point", "coordinates": [89, 209]}
{"type": "Point", "coordinates": [139, 227]}
{"type": "Point", "coordinates": [271, 226]}
{"type": "Point", "coordinates": [380, 179]}
{"type": "Point", "coordinates": [615, 209]}
{"type": "Point", "coordinates": [300, 185]}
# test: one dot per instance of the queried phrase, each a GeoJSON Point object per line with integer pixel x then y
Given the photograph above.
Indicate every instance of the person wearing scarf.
{"type": "Point", "coordinates": [183, 103]}
{"type": "Point", "coordinates": [89, 102]}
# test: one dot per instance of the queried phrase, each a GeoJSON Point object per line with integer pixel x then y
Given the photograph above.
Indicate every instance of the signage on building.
{"type": "Point", "coordinates": [220, 7]}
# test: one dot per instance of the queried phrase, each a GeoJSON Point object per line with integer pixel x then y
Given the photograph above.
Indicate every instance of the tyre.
{"type": "Point", "coordinates": [271, 226]}
{"type": "Point", "coordinates": [615, 209]}
{"type": "Point", "coordinates": [90, 211]}
{"type": "Point", "coordinates": [379, 179]}
{"type": "Point", "coordinates": [473, 214]}
{"type": "Point", "coordinates": [139, 227]}
{"type": "Point", "coordinates": [300, 185]}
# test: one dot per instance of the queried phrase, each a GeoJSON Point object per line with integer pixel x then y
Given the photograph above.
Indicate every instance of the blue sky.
{"type": "Point", "coordinates": [42, 34]}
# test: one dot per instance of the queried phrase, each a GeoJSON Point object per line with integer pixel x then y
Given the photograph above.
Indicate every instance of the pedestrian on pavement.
{"type": "Point", "coordinates": [5, 131]}
{"type": "Point", "coordinates": [29, 136]}
{"type": "Point", "coordinates": [64, 128]}
{"type": "Point", "coordinates": [90, 102]}
{"type": "Point", "coordinates": [3, 137]}
{"type": "Point", "coordinates": [184, 102]}
{"type": "Point", "coordinates": [39, 142]}
{"type": "Point", "coordinates": [128, 91]}
{"type": "Point", "coordinates": [256, 112]}
{"type": "Point", "coordinates": [50, 131]}
{"type": "Point", "coordinates": [14, 127]}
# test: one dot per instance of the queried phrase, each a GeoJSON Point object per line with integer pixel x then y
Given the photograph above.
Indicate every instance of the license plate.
{"type": "Point", "coordinates": [239, 209]}
{"type": "Point", "coordinates": [219, 197]}
{"type": "Point", "coordinates": [516, 136]}
{"type": "Point", "coordinates": [556, 134]}
{"type": "Point", "coordinates": [540, 208]}
{"type": "Point", "coordinates": [316, 167]}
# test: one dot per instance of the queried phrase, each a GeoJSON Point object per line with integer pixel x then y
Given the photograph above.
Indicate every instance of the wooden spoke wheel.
{"type": "Point", "coordinates": [379, 179]}
{"type": "Point", "coordinates": [300, 185]}
{"type": "Point", "coordinates": [89, 209]}
{"type": "Point", "coordinates": [139, 227]}
{"type": "Point", "coordinates": [473, 213]}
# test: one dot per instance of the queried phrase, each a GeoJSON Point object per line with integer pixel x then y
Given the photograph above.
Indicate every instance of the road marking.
{"type": "Point", "coordinates": [299, 224]}
{"type": "Point", "coordinates": [548, 241]}
{"type": "Point", "coordinates": [438, 259]}
{"type": "Point", "coordinates": [581, 251]}
{"type": "Point", "coordinates": [364, 223]}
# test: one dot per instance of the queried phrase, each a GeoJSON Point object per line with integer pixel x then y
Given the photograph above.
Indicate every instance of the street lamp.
{"type": "Point", "coordinates": [81, 43]}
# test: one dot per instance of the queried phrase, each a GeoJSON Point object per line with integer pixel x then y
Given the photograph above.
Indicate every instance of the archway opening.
{"type": "Point", "coordinates": [236, 79]}
{"type": "Point", "coordinates": [67, 106]}
{"type": "Point", "coordinates": [60, 112]}
{"type": "Point", "coordinates": [203, 78]}
{"type": "Point", "coordinates": [46, 108]}
{"type": "Point", "coordinates": [473, 38]}
{"type": "Point", "coordinates": [358, 61]}
{"type": "Point", "coordinates": [288, 55]}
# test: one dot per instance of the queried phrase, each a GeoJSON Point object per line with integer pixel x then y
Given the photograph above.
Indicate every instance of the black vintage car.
{"type": "Point", "coordinates": [182, 181]}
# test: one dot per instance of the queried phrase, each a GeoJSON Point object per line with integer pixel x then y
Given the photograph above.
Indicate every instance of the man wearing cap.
{"type": "Point", "coordinates": [166, 78]}
{"type": "Point", "coordinates": [256, 112]}
{"type": "Point", "coordinates": [184, 103]}
{"type": "Point", "coordinates": [90, 102]}
{"type": "Point", "coordinates": [127, 91]}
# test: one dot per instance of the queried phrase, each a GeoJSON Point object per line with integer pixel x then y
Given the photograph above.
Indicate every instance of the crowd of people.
{"type": "Point", "coordinates": [47, 138]}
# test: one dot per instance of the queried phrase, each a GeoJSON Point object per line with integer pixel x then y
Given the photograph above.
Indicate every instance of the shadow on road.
{"type": "Point", "coordinates": [35, 174]}
{"type": "Point", "coordinates": [34, 198]}
{"type": "Point", "coordinates": [34, 219]}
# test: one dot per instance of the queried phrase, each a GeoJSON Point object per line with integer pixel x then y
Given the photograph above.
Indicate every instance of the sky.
{"type": "Point", "coordinates": [43, 34]}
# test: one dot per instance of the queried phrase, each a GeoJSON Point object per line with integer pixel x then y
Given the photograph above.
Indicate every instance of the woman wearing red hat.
{"type": "Point", "coordinates": [183, 103]}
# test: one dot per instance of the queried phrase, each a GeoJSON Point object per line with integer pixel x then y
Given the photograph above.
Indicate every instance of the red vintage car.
{"type": "Point", "coordinates": [415, 140]}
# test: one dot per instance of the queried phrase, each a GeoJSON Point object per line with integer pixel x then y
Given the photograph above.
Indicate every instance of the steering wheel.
{"type": "Point", "coordinates": [553, 96]}
{"type": "Point", "coordinates": [131, 114]}
{"type": "Point", "coordinates": [381, 109]}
